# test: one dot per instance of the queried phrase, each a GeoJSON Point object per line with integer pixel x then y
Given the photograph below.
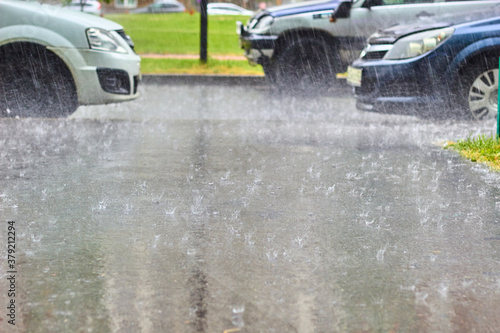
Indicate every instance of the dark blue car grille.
{"type": "Point", "coordinates": [394, 89]}
{"type": "Point", "coordinates": [377, 55]}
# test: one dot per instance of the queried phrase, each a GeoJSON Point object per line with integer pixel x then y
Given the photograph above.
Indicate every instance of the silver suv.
{"type": "Point", "coordinates": [53, 59]}
{"type": "Point", "coordinates": [308, 43]}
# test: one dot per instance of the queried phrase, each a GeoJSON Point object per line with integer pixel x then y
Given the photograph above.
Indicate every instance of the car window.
{"type": "Point", "coordinates": [403, 2]}
{"type": "Point", "coordinates": [417, 1]}
{"type": "Point", "coordinates": [163, 5]}
{"type": "Point", "coordinates": [79, 5]}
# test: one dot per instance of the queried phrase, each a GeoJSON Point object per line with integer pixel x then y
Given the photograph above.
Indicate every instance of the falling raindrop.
{"type": "Point", "coordinates": [381, 253]}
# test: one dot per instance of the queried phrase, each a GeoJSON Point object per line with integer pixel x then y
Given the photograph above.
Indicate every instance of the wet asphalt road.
{"type": "Point", "coordinates": [201, 208]}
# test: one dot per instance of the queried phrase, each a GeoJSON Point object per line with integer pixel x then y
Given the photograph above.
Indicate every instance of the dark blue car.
{"type": "Point", "coordinates": [438, 66]}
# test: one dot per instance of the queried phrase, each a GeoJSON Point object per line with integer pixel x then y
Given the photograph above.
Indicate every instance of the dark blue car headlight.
{"type": "Point", "coordinates": [417, 44]}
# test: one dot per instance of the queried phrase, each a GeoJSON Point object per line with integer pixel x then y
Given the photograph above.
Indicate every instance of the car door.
{"type": "Point", "coordinates": [468, 10]}
{"type": "Point", "coordinates": [373, 15]}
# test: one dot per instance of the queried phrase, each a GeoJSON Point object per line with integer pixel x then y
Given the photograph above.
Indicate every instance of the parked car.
{"type": "Point", "coordinates": [307, 43]}
{"type": "Point", "coordinates": [435, 65]}
{"type": "Point", "coordinates": [87, 6]}
{"type": "Point", "coordinates": [61, 59]}
{"type": "Point", "coordinates": [221, 8]}
{"type": "Point", "coordinates": [163, 7]}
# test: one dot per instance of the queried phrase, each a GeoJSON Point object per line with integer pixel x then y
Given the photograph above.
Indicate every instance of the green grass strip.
{"type": "Point", "coordinates": [483, 149]}
{"type": "Point", "coordinates": [193, 66]}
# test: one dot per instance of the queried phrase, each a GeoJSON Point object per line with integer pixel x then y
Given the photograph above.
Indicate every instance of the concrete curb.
{"type": "Point", "coordinates": [203, 79]}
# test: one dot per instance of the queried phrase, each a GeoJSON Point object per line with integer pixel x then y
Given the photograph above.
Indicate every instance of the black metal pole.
{"type": "Point", "coordinates": [203, 32]}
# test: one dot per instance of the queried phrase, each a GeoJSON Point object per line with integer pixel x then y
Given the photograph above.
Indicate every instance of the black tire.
{"type": "Point", "coordinates": [307, 64]}
{"type": "Point", "coordinates": [34, 82]}
{"type": "Point", "coordinates": [269, 72]}
{"type": "Point", "coordinates": [478, 91]}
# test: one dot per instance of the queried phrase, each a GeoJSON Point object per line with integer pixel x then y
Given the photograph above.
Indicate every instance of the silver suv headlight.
{"type": "Point", "coordinates": [261, 26]}
{"type": "Point", "coordinates": [264, 23]}
{"type": "Point", "coordinates": [417, 44]}
{"type": "Point", "coordinates": [103, 40]}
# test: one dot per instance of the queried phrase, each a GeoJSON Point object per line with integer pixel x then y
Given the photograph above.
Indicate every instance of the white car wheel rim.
{"type": "Point", "coordinates": [483, 95]}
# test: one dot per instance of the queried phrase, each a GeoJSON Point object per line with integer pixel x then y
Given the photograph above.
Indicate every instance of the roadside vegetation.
{"type": "Point", "coordinates": [483, 149]}
{"type": "Point", "coordinates": [193, 66]}
{"type": "Point", "coordinates": [179, 34]}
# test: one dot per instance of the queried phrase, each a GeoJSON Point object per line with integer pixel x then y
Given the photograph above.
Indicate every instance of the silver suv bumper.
{"type": "Point", "coordinates": [259, 49]}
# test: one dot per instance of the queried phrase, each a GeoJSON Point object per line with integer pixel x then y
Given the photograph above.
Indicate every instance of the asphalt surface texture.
{"type": "Point", "coordinates": [228, 206]}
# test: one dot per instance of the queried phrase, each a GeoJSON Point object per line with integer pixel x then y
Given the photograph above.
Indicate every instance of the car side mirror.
{"type": "Point", "coordinates": [343, 11]}
{"type": "Point", "coordinates": [370, 3]}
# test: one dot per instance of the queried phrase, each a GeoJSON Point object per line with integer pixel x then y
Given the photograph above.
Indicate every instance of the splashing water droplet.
{"type": "Point", "coordinates": [170, 211]}
{"type": "Point", "coordinates": [237, 316]}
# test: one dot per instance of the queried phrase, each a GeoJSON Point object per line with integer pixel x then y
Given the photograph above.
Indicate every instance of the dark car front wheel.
{"type": "Point", "coordinates": [480, 92]}
{"type": "Point", "coordinates": [308, 63]}
{"type": "Point", "coordinates": [34, 82]}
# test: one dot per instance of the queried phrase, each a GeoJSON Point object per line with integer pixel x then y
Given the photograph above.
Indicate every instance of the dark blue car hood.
{"type": "Point", "coordinates": [305, 7]}
{"type": "Point", "coordinates": [392, 34]}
